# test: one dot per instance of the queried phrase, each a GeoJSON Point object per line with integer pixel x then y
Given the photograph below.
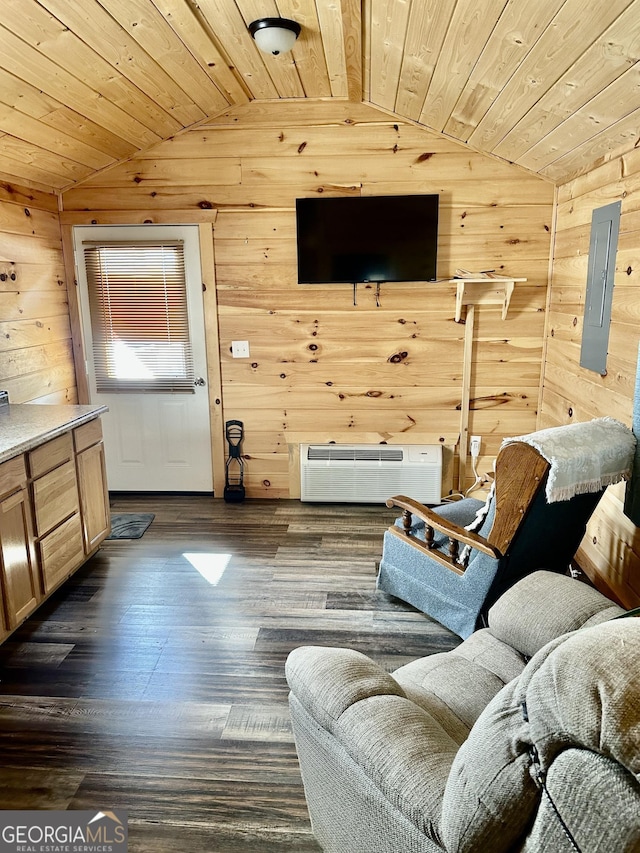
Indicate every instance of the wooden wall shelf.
{"type": "Point", "coordinates": [484, 291]}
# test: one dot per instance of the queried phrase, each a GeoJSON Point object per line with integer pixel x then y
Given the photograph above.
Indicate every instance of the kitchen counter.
{"type": "Point", "coordinates": [24, 426]}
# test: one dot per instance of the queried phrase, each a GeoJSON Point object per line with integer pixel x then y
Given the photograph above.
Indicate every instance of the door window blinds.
{"type": "Point", "coordinates": [139, 317]}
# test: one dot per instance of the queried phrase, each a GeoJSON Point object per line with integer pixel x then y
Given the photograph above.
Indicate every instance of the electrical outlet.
{"type": "Point", "coordinates": [474, 445]}
{"type": "Point", "coordinates": [240, 349]}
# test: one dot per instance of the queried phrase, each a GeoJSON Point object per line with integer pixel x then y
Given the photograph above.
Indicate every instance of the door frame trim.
{"type": "Point", "coordinates": [211, 333]}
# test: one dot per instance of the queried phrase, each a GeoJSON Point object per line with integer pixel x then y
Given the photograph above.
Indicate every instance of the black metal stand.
{"type": "Point", "coordinates": [234, 470]}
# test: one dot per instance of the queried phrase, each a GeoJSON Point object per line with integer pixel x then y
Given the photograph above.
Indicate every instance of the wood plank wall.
{"type": "Point", "coordinates": [322, 369]}
{"type": "Point", "coordinates": [610, 552]}
{"type": "Point", "coordinates": [36, 359]}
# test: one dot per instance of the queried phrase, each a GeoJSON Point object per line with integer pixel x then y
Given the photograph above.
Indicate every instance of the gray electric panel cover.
{"type": "Point", "coordinates": [605, 225]}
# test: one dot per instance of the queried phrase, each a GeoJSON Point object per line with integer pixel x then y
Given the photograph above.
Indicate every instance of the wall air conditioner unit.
{"type": "Point", "coordinates": [370, 473]}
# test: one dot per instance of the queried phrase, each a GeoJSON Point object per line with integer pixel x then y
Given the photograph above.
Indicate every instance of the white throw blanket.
{"type": "Point", "coordinates": [584, 457]}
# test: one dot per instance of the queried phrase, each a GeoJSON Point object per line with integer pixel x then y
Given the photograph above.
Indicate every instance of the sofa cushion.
{"type": "Point", "coordinates": [544, 605]}
{"type": "Point", "coordinates": [577, 691]}
{"type": "Point", "coordinates": [456, 686]}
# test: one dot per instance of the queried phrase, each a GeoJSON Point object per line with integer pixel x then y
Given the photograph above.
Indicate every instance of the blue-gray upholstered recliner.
{"type": "Point", "coordinates": [454, 574]}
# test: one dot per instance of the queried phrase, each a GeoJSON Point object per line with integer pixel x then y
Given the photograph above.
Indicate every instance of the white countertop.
{"type": "Point", "coordinates": [24, 426]}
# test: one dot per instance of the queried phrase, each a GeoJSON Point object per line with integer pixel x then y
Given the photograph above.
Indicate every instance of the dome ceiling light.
{"type": "Point", "coordinates": [275, 35]}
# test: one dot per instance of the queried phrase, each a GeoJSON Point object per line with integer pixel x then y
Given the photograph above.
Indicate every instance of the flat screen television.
{"type": "Point", "coordinates": [367, 238]}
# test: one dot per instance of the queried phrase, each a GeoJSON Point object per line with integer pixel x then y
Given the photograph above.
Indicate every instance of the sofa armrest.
{"type": "Point", "coordinates": [327, 681]}
{"type": "Point", "coordinates": [543, 606]}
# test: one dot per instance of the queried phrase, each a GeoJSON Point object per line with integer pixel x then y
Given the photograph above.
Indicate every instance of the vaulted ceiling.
{"type": "Point", "coordinates": [552, 85]}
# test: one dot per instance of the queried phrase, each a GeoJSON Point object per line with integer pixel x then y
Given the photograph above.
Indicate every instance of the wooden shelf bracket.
{"type": "Point", "coordinates": [484, 291]}
{"type": "Point", "coordinates": [469, 293]}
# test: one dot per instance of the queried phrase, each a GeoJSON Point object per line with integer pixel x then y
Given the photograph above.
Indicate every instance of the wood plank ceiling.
{"type": "Point", "coordinates": [552, 85]}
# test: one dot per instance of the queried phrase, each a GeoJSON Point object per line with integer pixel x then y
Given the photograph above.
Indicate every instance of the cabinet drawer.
{"type": "Point", "coordinates": [61, 552]}
{"type": "Point", "coordinates": [87, 434]}
{"type": "Point", "coordinates": [51, 454]}
{"type": "Point", "coordinates": [13, 475]}
{"type": "Point", "coordinates": [55, 496]}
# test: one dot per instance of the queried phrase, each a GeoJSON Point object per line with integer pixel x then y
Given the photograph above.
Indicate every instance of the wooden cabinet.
{"type": "Point", "coordinates": [18, 573]}
{"type": "Point", "coordinates": [56, 510]}
{"type": "Point", "coordinates": [92, 484]}
{"type": "Point", "coordinates": [54, 513]}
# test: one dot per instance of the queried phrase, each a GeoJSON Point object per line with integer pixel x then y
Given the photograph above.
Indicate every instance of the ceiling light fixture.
{"type": "Point", "coordinates": [275, 35]}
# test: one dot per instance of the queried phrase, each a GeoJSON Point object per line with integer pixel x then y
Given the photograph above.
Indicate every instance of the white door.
{"type": "Point", "coordinates": [153, 441]}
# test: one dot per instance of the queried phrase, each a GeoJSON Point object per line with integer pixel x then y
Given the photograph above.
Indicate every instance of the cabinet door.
{"type": "Point", "coordinates": [94, 498]}
{"type": "Point", "coordinates": [55, 497]}
{"type": "Point", "coordinates": [17, 558]}
{"type": "Point", "coordinates": [61, 552]}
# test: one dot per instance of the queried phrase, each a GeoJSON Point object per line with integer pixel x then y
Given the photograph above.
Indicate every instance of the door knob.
{"type": "Point", "coordinates": [199, 381]}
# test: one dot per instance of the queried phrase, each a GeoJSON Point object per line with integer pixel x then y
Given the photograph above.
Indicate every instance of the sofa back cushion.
{"type": "Point", "coordinates": [534, 611]}
{"type": "Point", "coordinates": [581, 690]}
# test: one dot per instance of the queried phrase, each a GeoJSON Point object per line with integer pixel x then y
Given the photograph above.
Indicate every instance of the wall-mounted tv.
{"type": "Point", "coordinates": [367, 238]}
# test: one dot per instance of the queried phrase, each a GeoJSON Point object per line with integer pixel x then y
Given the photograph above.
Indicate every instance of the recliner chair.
{"type": "Point", "coordinates": [435, 560]}
{"type": "Point", "coordinates": [526, 737]}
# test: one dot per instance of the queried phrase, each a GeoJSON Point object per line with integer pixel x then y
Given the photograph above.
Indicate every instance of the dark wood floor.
{"type": "Point", "coordinates": [149, 685]}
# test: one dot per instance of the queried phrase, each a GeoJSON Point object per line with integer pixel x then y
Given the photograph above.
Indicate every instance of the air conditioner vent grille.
{"type": "Point", "coordinates": [337, 453]}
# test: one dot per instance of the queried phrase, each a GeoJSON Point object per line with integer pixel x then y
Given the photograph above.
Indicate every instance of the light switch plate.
{"type": "Point", "coordinates": [240, 349]}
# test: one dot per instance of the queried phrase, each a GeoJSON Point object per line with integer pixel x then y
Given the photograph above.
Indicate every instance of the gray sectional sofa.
{"type": "Point", "coordinates": [526, 737]}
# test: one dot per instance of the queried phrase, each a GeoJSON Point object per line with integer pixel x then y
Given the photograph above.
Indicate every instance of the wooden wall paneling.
{"type": "Point", "coordinates": [160, 171]}
{"type": "Point", "coordinates": [27, 197]}
{"type": "Point", "coordinates": [212, 341]}
{"type": "Point", "coordinates": [322, 369]}
{"type": "Point", "coordinates": [146, 200]}
{"type": "Point", "coordinates": [75, 320]}
{"type": "Point", "coordinates": [609, 551]}
{"type": "Point", "coordinates": [138, 217]}
{"type": "Point", "coordinates": [49, 303]}
{"type": "Point", "coordinates": [33, 332]}
{"type": "Point", "coordinates": [35, 336]}
{"type": "Point", "coordinates": [306, 142]}
{"type": "Point", "coordinates": [306, 113]}
{"type": "Point", "coordinates": [37, 384]}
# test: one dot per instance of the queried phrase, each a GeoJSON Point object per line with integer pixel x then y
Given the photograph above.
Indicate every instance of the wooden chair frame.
{"type": "Point", "coordinates": [520, 474]}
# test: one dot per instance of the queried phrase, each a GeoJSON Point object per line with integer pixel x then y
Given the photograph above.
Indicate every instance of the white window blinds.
{"type": "Point", "coordinates": [139, 318]}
